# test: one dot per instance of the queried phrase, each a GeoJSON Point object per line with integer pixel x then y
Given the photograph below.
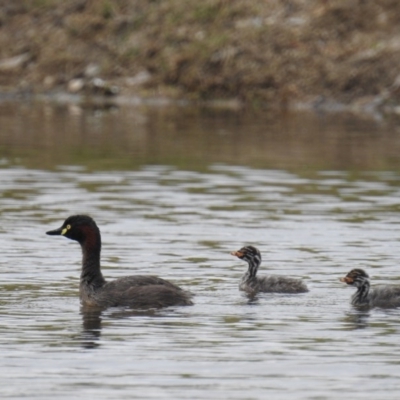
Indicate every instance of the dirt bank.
{"type": "Point", "coordinates": [261, 53]}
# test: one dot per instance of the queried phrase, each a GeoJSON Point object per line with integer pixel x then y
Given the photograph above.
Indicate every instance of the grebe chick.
{"type": "Point", "coordinates": [383, 296]}
{"type": "Point", "coordinates": [138, 291]}
{"type": "Point", "coordinates": [272, 283]}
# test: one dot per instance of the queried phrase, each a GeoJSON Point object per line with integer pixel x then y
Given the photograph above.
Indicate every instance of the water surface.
{"type": "Point", "coordinates": [174, 191]}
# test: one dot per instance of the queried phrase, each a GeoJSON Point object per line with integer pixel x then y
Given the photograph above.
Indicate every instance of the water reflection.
{"type": "Point", "coordinates": [92, 318]}
{"type": "Point", "coordinates": [44, 136]}
{"type": "Point", "coordinates": [252, 298]}
{"type": "Point", "coordinates": [91, 322]}
{"type": "Point", "coordinates": [357, 319]}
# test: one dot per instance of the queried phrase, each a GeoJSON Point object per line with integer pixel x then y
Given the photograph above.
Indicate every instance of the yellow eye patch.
{"type": "Point", "coordinates": [66, 229]}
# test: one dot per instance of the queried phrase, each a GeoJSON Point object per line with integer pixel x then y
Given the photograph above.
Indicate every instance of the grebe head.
{"type": "Point", "coordinates": [77, 227]}
{"type": "Point", "coordinates": [248, 253]}
{"type": "Point", "coordinates": [356, 277]}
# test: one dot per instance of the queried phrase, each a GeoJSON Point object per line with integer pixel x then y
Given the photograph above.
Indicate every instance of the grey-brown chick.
{"type": "Point", "coordinates": [250, 282]}
{"type": "Point", "coordinates": [384, 296]}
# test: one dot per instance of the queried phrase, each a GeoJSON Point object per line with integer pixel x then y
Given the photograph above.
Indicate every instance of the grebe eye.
{"type": "Point", "coordinates": [66, 229]}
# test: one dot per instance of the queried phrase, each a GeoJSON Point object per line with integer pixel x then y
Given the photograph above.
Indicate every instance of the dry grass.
{"type": "Point", "coordinates": [263, 53]}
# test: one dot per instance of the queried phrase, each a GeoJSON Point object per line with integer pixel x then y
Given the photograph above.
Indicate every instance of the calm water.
{"type": "Point", "coordinates": [174, 191]}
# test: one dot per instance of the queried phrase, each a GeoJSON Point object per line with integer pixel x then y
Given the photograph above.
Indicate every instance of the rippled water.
{"type": "Point", "coordinates": [174, 193]}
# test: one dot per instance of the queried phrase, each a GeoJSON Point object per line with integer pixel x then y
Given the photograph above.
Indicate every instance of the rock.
{"type": "Point", "coordinates": [100, 86]}
{"type": "Point", "coordinates": [13, 63]}
{"type": "Point", "coordinates": [139, 79]}
{"type": "Point", "coordinates": [49, 81]}
{"type": "Point", "coordinates": [92, 70]}
{"type": "Point", "coordinates": [75, 85]}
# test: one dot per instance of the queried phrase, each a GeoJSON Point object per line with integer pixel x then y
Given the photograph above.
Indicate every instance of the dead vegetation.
{"type": "Point", "coordinates": [262, 53]}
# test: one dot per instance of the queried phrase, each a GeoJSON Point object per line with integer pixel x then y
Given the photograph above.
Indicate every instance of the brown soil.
{"type": "Point", "coordinates": [262, 53]}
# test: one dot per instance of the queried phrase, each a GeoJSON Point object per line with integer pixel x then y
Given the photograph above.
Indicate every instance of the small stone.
{"type": "Point", "coordinates": [49, 81]}
{"type": "Point", "coordinates": [98, 83]}
{"type": "Point", "coordinates": [75, 85]}
{"type": "Point", "coordinates": [100, 86]}
{"type": "Point", "coordinates": [139, 79]}
{"type": "Point", "coordinates": [13, 63]}
{"type": "Point", "coordinates": [92, 70]}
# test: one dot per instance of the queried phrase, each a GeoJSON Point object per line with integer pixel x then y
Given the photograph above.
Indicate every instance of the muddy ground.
{"type": "Point", "coordinates": [276, 53]}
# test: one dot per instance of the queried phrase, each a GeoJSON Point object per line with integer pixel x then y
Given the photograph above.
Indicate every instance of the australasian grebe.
{"type": "Point", "coordinates": [270, 283]}
{"type": "Point", "coordinates": [138, 291]}
{"type": "Point", "coordinates": [384, 296]}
